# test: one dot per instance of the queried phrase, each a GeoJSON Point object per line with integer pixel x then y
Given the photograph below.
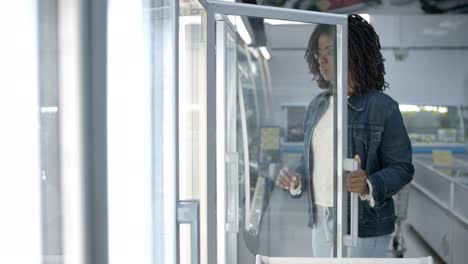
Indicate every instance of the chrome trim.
{"type": "Point", "coordinates": [351, 239]}
{"type": "Point", "coordinates": [227, 8]}
{"type": "Point", "coordinates": [240, 9]}
{"type": "Point", "coordinates": [83, 129]}
{"type": "Point", "coordinates": [341, 218]}
{"type": "Point", "coordinates": [166, 237]}
{"type": "Point", "coordinates": [222, 157]}
{"type": "Point", "coordinates": [211, 121]}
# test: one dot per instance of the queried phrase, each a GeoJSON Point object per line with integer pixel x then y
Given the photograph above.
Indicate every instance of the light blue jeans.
{"type": "Point", "coordinates": [322, 239]}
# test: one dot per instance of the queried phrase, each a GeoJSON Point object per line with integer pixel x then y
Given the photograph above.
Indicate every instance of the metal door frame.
{"type": "Point", "coordinates": [238, 9]}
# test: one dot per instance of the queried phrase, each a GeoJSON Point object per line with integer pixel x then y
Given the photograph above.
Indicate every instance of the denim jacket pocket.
{"type": "Point", "coordinates": [375, 138]}
{"type": "Point", "coordinates": [359, 146]}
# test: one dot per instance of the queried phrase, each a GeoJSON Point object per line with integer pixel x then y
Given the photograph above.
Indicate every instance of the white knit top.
{"type": "Point", "coordinates": [322, 144]}
{"type": "Point", "coordinates": [322, 175]}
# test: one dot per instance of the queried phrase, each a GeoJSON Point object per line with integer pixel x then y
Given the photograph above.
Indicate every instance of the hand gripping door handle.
{"type": "Point", "coordinates": [351, 239]}
{"type": "Point", "coordinates": [188, 212]}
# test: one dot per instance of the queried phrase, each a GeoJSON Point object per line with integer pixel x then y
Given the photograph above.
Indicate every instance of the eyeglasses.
{"type": "Point", "coordinates": [326, 52]}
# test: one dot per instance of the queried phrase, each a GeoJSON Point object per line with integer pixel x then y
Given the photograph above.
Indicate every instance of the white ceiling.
{"type": "Point", "coordinates": [394, 31]}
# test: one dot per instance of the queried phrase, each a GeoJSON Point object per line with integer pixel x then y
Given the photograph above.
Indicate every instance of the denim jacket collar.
{"type": "Point", "coordinates": [358, 102]}
{"type": "Point", "coordinates": [322, 98]}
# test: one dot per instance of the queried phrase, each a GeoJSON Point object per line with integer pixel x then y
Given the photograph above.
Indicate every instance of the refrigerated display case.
{"type": "Point", "coordinates": [439, 192]}
{"type": "Point", "coordinates": [436, 127]}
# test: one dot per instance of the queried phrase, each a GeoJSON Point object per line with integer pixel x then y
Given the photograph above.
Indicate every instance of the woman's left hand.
{"type": "Point", "coordinates": [357, 180]}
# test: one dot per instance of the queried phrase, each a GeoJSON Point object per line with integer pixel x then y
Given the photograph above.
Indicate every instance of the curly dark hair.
{"type": "Point", "coordinates": [365, 61]}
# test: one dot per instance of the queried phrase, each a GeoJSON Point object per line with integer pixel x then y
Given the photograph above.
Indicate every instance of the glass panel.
{"type": "Point", "coordinates": [72, 169]}
{"type": "Point", "coordinates": [270, 134]}
{"type": "Point", "coordinates": [21, 139]}
{"type": "Point", "coordinates": [49, 134]}
{"type": "Point", "coordinates": [141, 150]}
{"type": "Point", "coordinates": [162, 47]}
{"type": "Point", "coordinates": [192, 119]}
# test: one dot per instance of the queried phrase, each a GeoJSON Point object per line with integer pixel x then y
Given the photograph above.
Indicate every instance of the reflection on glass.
{"type": "Point", "coordinates": [23, 183]}
{"type": "Point", "coordinates": [295, 123]}
{"type": "Point", "coordinates": [192, 119]}
{"type": "Point", "coordinates": [162, 22]}
{"type": "Point", "coordinates": [50, 174]}
{"type": "Point", "coordinates": [52, 217]}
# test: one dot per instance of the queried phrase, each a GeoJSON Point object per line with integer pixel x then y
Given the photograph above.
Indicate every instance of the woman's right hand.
{"type": "Point", "coordinates": [288, 179]}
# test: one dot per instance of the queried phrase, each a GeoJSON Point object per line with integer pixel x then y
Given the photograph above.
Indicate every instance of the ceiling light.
{"type": "Point", "coordinates": [266, 54]}
{"type": "Point", "coordinates": [409, 108]}
{"type": "Point", "coordinates": [282, 22]}
{"type": "Point", "coordinates": [242, 30]}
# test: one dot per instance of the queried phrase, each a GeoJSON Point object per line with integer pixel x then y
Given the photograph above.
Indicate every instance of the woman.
{"type": "Point", "coordinates": [377, 139]}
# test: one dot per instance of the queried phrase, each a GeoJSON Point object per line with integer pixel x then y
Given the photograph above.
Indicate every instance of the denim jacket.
{"type": "Point", "coordinates": [377, 134]}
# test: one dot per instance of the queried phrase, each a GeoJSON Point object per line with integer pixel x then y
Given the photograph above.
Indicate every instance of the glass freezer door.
{"type": "Point", "coordinates": [246, 145]}
{"type": "Point", "coordinates": [231, 130]}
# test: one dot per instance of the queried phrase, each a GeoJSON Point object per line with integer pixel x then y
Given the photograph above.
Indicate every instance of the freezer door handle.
{"type": "Point", "coordinates": [351, 239]}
